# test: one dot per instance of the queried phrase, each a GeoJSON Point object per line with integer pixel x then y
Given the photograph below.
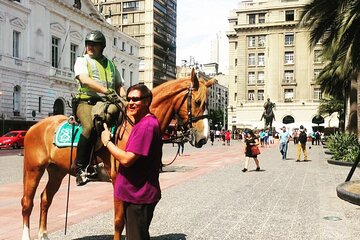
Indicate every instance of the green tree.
{"type": "Point", "coordinates": [336, 24]}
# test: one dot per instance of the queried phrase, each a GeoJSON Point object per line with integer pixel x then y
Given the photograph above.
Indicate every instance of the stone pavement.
{"type": "Point", "coordinates": [206, 196]}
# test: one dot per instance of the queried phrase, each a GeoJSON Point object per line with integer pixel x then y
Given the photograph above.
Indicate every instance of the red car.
{"type": "Point", "coordinates": [13, 139]}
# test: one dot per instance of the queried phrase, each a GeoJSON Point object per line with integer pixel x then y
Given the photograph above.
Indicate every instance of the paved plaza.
{"type": "Point", "coordinates": [206, 196]}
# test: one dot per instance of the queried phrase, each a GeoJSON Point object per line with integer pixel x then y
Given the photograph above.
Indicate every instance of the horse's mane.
{"type": "Point", "coordinates": [166, 90]}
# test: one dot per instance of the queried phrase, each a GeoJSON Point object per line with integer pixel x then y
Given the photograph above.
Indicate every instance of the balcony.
{"type": "Point", "coordinates": [288, 82]}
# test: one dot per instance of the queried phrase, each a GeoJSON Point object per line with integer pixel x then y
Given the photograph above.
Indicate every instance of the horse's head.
{"type": "Point", "coordinates": [186, 98]}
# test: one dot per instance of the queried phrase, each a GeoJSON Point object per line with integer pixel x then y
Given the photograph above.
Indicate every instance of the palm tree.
{"type": "Point", "coordinates": [336, 24]}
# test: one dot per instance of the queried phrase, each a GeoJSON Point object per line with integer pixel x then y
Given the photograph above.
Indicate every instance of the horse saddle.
{"type": "Point", "coordinates": [67, 132]}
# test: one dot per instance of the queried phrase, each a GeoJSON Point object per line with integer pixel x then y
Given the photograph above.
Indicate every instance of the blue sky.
{"type": "Point", "coordinates": [198, 22]}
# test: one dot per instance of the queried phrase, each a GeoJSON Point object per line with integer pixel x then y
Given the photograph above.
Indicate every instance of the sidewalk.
{"type": "Point", "coordinates": [206, 196]}
{"type": "Point", "coordinates": [286, 200]}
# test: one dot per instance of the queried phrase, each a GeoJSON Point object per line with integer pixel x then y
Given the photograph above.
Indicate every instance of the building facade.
{"type": "Point", "coordinates": [40, 43]}
{"type": "Point", "coordinates": [269, 57]}
{"type": "Point", "coordinates": [153, 24]}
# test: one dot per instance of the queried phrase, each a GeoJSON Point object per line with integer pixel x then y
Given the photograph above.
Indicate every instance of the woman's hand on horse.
{"type": "Point", "coordinates": [105, 135]}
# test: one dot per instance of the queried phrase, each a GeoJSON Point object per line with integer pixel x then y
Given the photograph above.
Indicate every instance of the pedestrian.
{"type": "Point", "coordinates": [312, 137]}
{"type": "Point", "coordinates": [137, 182]}
{"type": "Point", "coordinates": [212, 136]}
{"type": "Point", "coordinates": [317, 137]}
{"type": "Point", "coordinates": [284, 140]}
{"type": "Point", "coordinates": [227, 137]}
{"type": "Point", "coordinates": [302, 144]}
{"type": "Point", "coordinates": [97, 77]}
{"type": "Point", "coordinates": [251, 142]}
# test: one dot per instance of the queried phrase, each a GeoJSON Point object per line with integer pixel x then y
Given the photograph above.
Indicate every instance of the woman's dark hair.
{"type": "Point", "coordinates": [143, 89]}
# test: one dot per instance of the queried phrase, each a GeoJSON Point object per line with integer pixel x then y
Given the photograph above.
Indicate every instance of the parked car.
{"type": "Point", "coordinates": [13, 139]}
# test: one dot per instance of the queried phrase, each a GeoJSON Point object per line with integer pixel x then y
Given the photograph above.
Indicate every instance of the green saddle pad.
{"type": "Point", "coordinates": [63, 134]}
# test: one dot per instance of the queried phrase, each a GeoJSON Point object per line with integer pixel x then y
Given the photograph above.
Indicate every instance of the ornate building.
{"type": "Point", "coordinates": [269, 57]}
{"type": "Point", "coordinates": [40, 43]}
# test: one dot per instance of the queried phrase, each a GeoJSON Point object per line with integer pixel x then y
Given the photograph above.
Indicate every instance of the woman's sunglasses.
{"type": "Point", "coordinates": [134, 99]}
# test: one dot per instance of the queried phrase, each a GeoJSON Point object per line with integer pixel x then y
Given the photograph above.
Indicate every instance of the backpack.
{"type": "Point", "coordinates": [302, 137]}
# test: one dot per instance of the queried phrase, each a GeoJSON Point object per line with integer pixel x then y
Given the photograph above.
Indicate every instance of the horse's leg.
{"type": "Point", "coordinates": [55, 178]}
{"type": "Point", "coordinates": [119, 221]}
{"type": "Point", "coordinates": [32, 176]}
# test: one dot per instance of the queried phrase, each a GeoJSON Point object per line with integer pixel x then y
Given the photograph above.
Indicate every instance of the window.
{"type": "Point", "coordinates": [251, 78]}
{"type": "Point", "coordinates": [55, 52]}
{"type": "Point", "coordinates": [251, 94]}
{"type": "Point", "coordinates": [317, 94]}
{"type": "Point", "coordinates": [73, 55]}
{"type": "Point", "coordinates": [123, 73]}
{"type": "Point", "coordinates": [251, 41]}
{"type": "Point", "coordinates": [236, 62]}
{"type": "Point", "coordinates": [131, 50]}
{"type": "Point", "coordinates": [16, 100]}
{"type": "Point", "coordinates": [16, 44]}
{"type": "Point", "coordinates": [317, 56]}
{"type": "Point", "coordinates": [39, 110]}
{"type": "Point", "coordinates": [261, 17]}
{"type": "Point", "coordinates": [235, 79]}
{"type": "Point", "coordinates": [131, 78]}
{"type": "Point", "coordinates": [130, 6]}
{"type": "Point", "coordinates": [261, 41]}
{"type": "Point", "coordinates": [260, 95]}
{"type": "Point", "coordinates": [125, 19]}
{"type": "Point", "coordinates": [289, 76]}
{"type": "Point", "coordinates": [251, 59]}
{"type": "Point", "coordinates": [261, 77]}
{"type": "Point", "coordinates": [316, 73]}
{"type": "Point", "coordinates": [288, 95]}
{"type": "Point", "coordinates": [123, 46]}
{"type": "Point", "coordinates": [289, 57]}
{"type": "Point", "coordinates": [115, 42]}
{"type": "Point", "coordinates": [289, 39]}
{"type": "Point", "coordinates": [235, 96]}
{"type": "Point", "coordinates": [252, 18]}
{"type": "Point", "coordinates": [289, 15]}
{"type": "Point", "coordinates": [261, 59]}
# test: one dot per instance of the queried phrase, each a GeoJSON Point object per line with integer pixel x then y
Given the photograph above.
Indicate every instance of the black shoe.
{"type": "Point", "coordinates": [81, 178]}
{"type": "Point", "coordinates": [257, 169]}
{"type": "Point", "coordinates": [244, 170]}
{"type": "Point", "coordinates": [298, 160]}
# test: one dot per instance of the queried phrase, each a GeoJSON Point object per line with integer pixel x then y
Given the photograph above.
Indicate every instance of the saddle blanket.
{"type": "Point", "coordinates": [64, 133]}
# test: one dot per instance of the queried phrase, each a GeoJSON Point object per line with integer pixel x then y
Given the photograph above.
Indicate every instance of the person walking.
{"type": "Point", "coordinates": [97, 77]}
{"type": "Point", "coordinates": [302, 144]}
{"type": "Point", "coordinates": [212, 137]}
{"type": "Point", "coordinates": [251, 141]}
{"type": "Point", "coordinates": [284, 140]}
{"type": "Point", "coordinates": [137, 182]}
{"type": "Point", "coordinates": [227, 137]}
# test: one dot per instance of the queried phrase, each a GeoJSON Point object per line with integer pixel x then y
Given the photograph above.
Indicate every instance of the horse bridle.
{"type": "Point", "coordinates": [188, 125]}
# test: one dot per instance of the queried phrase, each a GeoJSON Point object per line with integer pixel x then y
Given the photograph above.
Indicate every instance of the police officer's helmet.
{"type": "Point", "coordinates": [96, 37]}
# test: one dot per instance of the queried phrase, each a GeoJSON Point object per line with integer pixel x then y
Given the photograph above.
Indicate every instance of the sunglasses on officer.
{"type": "Point", "coordinates": [134, 99]}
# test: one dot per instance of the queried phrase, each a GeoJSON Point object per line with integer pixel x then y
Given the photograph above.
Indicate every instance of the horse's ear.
{"type": "Point", "coordinates": [210, 82]}
{"type": "Point", "coordinates": [194, 80]}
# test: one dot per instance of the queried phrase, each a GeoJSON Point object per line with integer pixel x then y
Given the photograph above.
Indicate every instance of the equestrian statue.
{"type": "Point", "coordinates": [268, 113]}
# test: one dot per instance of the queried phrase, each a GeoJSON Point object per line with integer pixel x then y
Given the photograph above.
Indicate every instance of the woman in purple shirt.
{"type": "Point", "coordinates": [137, 184]}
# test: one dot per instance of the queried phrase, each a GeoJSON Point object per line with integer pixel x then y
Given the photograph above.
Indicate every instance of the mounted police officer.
{"type": "Point", "coordinates": [98, 78]}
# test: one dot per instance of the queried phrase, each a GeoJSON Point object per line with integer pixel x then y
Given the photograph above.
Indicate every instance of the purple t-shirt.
{"type": "Point", "coordinates": [139, 183]}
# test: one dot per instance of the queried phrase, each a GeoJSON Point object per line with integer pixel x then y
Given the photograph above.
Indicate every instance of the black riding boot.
{"type": "Point", "coordinates": [82, 160]}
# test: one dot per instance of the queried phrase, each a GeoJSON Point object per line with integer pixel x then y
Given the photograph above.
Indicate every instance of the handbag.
{"type": "Point", "coordinates": [255, 150]}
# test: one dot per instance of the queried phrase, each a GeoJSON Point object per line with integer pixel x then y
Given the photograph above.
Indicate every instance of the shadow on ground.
{"type": "Point", "coordinates": [174, 236]}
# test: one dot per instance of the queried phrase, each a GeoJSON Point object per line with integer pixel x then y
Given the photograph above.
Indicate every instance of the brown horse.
{"type": "Point", "coordinates": [186, 97]}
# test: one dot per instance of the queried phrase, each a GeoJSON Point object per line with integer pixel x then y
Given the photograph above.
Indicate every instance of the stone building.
{"type": "Point", "coordinates": [269, 57]}
{"type": "Point", "coordinates": [153, 24]}
{"type": "Point", "coordinates": [40, 43]}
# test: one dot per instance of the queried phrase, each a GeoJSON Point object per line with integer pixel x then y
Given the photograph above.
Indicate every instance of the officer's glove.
{"type": "Point", "coordinates": [113, 97]}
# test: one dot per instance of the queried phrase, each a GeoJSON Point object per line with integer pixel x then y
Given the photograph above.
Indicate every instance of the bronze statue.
{"type": "Point", "coordinates": [268, 113]}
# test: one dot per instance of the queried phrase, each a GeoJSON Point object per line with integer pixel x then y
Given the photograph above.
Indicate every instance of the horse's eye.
{"type": "Point", "coordinates": [197, 103]}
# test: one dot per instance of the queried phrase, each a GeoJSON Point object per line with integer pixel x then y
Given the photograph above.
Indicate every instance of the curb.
{"type": "Point", "coordinates": [341, 163]}
{"type": "Point", "coordinates": [349, 191]}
